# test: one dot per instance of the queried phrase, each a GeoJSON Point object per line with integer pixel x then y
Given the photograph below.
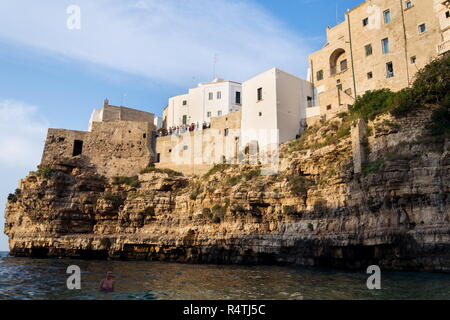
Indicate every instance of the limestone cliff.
{"type": "Point", "coordinates": [315, 211]}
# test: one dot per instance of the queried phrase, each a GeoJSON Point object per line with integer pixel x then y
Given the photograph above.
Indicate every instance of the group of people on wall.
{"type": "Point", "coordinates": [177, 130]}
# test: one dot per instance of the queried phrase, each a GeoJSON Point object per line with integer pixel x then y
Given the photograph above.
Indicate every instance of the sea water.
{"type": "Point", "coordinates": [27, 278]}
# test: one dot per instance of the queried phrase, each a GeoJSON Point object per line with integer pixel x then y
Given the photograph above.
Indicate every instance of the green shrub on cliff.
{"type": "Point", "coordinates": [372, 167]}
{"type": "Point", "coordinates": [115, 199]}
{"type": "Point", "coordinates": [372, 104]}
{"type": "Point", "coordinates": [170, 172]}
{"type": "Point", "coordinates": [13, 197]}
{"type": "Point", "coordinates": [299, 185]}
{"type": "Point", "coordinates": [215, 169]}
{"type": "Point", "coordinates": [441, 120]}
{"type": "Point", "coordinates": [131, 181]}
{"type": "Point", "coordinates": [45, 172]}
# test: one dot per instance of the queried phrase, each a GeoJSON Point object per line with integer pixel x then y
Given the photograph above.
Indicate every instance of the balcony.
{"type": "Point", "coordinates": [443, 47]}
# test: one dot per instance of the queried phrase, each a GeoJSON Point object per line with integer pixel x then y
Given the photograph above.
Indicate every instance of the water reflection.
{"type": "Point", "coordinates": [24, 278]}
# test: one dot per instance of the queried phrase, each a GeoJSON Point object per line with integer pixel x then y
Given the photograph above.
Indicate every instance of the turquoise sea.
{"type": "Point", "coordinates": [26, 278]}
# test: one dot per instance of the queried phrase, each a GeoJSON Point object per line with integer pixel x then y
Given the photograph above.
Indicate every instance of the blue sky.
{"type": "Point", "coordinates": [136, 53]}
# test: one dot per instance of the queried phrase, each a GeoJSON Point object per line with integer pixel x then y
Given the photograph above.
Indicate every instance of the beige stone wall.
{"type": "Point", "coordinates": [195, 152]}
{"type": "Point", "coordinates": [60, 143]}
{"type": "Point", "coordinates": [114, 113]}
{"type": "Point", "coordinates": [117, 148]}
{"type": "Point", "coordinates": [349, 39]}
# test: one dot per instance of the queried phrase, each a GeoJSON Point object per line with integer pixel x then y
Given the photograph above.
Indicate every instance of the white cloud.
{"type": "Point", "coordinates": [22, 134]}
{"type": "Point", "coordinates": [165, 40]}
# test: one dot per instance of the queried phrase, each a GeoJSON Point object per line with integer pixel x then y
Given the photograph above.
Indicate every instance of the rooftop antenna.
{"type": "Point", "coordinates": [214, 65]}
{"type": "Point", "coordinates": [336, 12]}
{"type": "Point", "coordinates": [122, 98]}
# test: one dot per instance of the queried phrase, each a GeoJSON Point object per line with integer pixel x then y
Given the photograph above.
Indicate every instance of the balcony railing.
{"type": "Point", "coordinates": [443, 47]}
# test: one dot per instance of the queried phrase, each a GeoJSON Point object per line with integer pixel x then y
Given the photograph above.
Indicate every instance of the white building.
{"type": "Point", "coordinates": [274, 105]}
{"type": "Point", "coordinates": [200, 104]}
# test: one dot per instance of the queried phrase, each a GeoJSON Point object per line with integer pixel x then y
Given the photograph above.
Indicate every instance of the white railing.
{"type": "Point", "coordinates": [444, 47]}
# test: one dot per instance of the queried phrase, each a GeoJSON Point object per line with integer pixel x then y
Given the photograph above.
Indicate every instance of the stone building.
{"type": "Point", "coordinates": [120, 141]}
{"type": "Point", "coordinates": [381, 44]}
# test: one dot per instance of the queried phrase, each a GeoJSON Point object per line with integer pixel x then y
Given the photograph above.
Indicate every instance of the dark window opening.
{"type": "Point", "coordinates": [343, 65]}
{"type": "Point", "coordinates": [329, 107]}
{"type": "Point", "coordinates": [387, 16]}
{"type": "Point", "coordinates": [365, 22]}
{"type": "Point", "coordinates": [185, 119]}
{"type": "Point", "coordinates": [447, 14]}
{"type": "Point", "coordinates": [225, 132]}
{"type": "Point", "coordinates": [77, 148]}
{"type": "Point", "coordinates": [238, 97]}
{"type": "Point", "coordinates": [61, 139]}
{"type": "Point", "coordinates": [158, 158]}
{"type": "Point", "coordinates": [413, 59]}
{"type": "Point", "coordinates": [319, 75]}
{"type": "Point", "coordinates": [260, 94]}
{"type": "Point", "coordinates": [369, 75]}
{"type": "Point", "coordinates": [260, 114]}
{"type": "Point", "coordinates": [170, 150]}
{"type": "Point", "coordinates": [145, 136]}
{"type": "Point", "coordinates": [309, 101]}
{"type": "Point", "coordinates": [422, 28]}
{"type": "Point", "coordinates": [389, 70]}
{"type": "Point", "coordinates": [369, 50]}
{"type": "Point", "coordinates": [184, 102]}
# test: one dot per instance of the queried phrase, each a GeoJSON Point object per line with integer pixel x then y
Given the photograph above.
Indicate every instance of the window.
{"type": "Point", "coordinates": [144, 136]}
{"type": "Point", "coordinates": [343, 65]}
{"type": "Point", "coordinates": [219, 95]}
{"type": "Point", "coordinates": [208, 114]}
{"type": "Point", "coordinates": [385, 45]}
{"type": "Point", "coordinates": [260, 96]}
{"type": "Point", "coordinates": [170, 150]}
{"type": "Point", "coordinates": [422, 28]}
{"type": "Point", "coordinates": [238, 97]}
{"type": "Point", "coordinates": [77, 148]}
{"type": "Point", "coordinates": [387, 16]}
{"type": "Point", "coordinates": [369, 75]}
{"type": "Point", "coordinates": [185, 119]}
{"type": "Point", "coordinates": [365, 22]}
{"type": "Point", "coordinates": [319, 75]}
{"type": "Point", "coordinates": [158, 158]}
{"type": "Point", "coordinates": [184, 102]}
{"type": "Point", "coordinates": [329, 107]}
{"type": "Point", "coordinates": [219, 113]}
{"type": "Point", "coordinates": [309, 102]}
{"type": "Point", "coordinates": [61, 139]}
{"type": "Point", "coordinates": [408, 4]}
{"type": "Point", "coordinates": [413, 59]}
{"type": "Point", "coordinates": [368, 49]}
{"type": "Point", "coordinates": [225, 132]}
{"type": "Point", "coordinates": [447, 14]}
{"type": "Point", "coordinates": [185, 148]}
{"type": "Point", "coordinates": [260, 114]}
{"type": "Point", "coordinates": [211, 96]}
{"type": "Point", "coordinates": [389, 70]}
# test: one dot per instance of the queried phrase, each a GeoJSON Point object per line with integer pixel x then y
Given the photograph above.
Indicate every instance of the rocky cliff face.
{"type": "Point", "coordinates": [315, 211]}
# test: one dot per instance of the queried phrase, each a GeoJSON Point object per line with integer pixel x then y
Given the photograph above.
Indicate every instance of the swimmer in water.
{"type": "Point", "coordinates": [107, 284]}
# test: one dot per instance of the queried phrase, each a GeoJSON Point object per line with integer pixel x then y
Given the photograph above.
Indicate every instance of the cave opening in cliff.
{"type": "Point", "coordinates": [77, 148]}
